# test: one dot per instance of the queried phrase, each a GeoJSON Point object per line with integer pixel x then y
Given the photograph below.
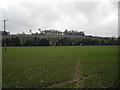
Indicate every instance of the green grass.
{"type": "Point", "coordinates": [95, 60]}
{"type": "Point", "coordinates": [55, 67]}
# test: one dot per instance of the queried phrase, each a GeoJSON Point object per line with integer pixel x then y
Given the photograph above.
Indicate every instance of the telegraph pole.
{"type": "Point", "coordinates": [5, 33]}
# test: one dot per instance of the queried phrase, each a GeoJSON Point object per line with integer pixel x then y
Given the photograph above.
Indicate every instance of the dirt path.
{"type": "Point", "coordinates": [77, 77]}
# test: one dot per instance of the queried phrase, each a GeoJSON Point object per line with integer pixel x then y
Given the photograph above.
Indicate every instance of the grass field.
{"type": "Point", "coordinates": [60, 67]}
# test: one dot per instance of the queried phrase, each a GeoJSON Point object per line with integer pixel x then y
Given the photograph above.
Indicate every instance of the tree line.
{"type": "Point", "coordinates": [50, 32]}
{"type": "Point", "coordinates": [59, 41]}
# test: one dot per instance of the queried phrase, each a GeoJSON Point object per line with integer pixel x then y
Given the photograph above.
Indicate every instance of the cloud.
{"type": "Point", "coordinates": [95, 18]}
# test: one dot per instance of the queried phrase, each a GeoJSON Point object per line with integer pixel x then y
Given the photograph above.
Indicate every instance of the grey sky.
{"type": "Point", "coordinates": [94, 18]}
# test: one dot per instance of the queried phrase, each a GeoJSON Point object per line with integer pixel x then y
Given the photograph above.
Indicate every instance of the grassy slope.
{"type": "Point", "coordinates": [39, 66]}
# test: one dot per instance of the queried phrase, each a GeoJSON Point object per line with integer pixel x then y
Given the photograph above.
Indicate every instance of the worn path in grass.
{"type": "Point", "coordinates": [77, 72]}
{"type": "Point", "coordinates": [78, 78]}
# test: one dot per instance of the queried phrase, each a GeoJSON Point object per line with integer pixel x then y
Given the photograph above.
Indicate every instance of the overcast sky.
{"type": "Point", "coordinates": [96, 17]}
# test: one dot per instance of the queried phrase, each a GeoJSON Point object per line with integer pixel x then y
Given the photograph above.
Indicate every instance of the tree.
{"type": "Point", "coordinates": [39, 30]}
{"type": "Point", "coordinates": [36, 33]}
{"type": "Point", "coordinates": [15, 41]}
{"type": "Point", "coordinates": [23, 38]}
{"type": "Point", "coordinates": [43, 42]}
{"type": "Point", "coordinates": [12, 41]}
{"type": "Point", "coordinates": [65, 32]}
{"type": "Point", "coordinates": [30, 31]}
{"type": "Point", "coordinates": [35, 41]}
{"type": "Point", "coordinates": [81, 33]}
{"type": "Point", "coordinates": [23, 33]}
{"type": "Point", "coordinates": [5, 33]}
{"type": "Point", "coordinates": [29, 43]}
